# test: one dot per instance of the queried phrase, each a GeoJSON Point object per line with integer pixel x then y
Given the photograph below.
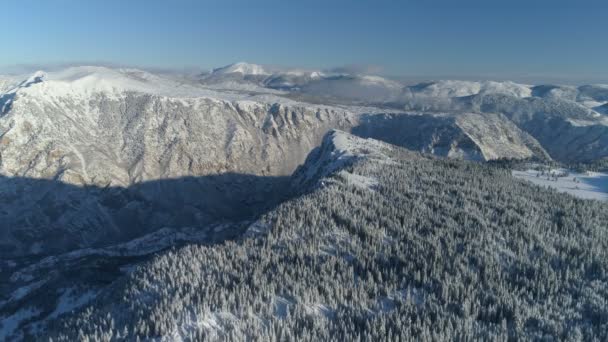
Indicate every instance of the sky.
{"type": "Point", "coordinates": [469, 39]}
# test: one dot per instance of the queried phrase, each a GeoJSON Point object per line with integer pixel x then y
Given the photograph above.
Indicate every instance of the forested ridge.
{"type": "Point", "coordinates": [425, 249]}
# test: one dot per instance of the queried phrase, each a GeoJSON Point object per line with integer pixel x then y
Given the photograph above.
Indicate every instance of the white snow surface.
{"type": "Point", "coordinates": [455, 88]}
{"type": "Point", "coordinates": [590, 185]}
{"type": "Point", "coordinates": [8, 82]}
{"type": "Point", "coordinates": [359, 181]}
{"type": "Point", "coordinates": [242, 68]}
{"type": "Point", "coordinates": [79, 83]}
{"type": "Point", "coordinates": [348, 145]}
{"type": "Point", "coordinates": [91, 79]}
{"type": "Point", "coordinates": [379, 81]}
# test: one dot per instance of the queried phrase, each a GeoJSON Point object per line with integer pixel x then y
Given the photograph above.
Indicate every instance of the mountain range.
{"type": "Point", "coordinates": [160, 206]}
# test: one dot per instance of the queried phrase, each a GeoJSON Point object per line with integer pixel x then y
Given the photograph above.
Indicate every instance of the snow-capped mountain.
{"type": "Point", "coordinates": [104, 126]}
{"type": "Point", "coordinates": [566, 121]}
{"type": "Point", "coordinates": [603, 109]}
{"type": "Point", "coordinates": [96, 125]}
{"type": "Point", "coordinates": [309, 83]}
{"type": "Point", "coordinates": [91, 156]}
{"type": "Point", "coordinates": [454, 88]}
{"type": "Point", "coordinates": [243, 68]}
{"type": "Point", "coordinates": [459, 136]}
{"type": "Point", "coordinates": [152, 142]}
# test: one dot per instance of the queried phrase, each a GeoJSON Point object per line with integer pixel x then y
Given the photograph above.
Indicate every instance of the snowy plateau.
{"type": "Point", "coordinates": [263, 203]}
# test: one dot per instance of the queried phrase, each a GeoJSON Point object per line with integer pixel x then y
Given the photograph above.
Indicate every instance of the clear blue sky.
{"type": "Point", "coordinates": [467, 38]}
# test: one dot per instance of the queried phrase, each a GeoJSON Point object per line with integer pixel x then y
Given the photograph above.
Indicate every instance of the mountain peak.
{"type": "Point", "coordinates": [337, 150]}
{"type": "Point", "coordinates": [100, 79]}
{"type": "Point", "coordinates": [242, 68]}
{"type": "Point", "coordinates": [36, 77]}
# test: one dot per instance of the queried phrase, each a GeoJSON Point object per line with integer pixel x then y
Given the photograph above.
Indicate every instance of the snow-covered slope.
{"type": "Point", "coordinates": [603, 109]}
{"type": "Point", "coordinates": [87, 80]}
{"type": "Point", "coordinates": [299, 83]}
{"type": "Point", "coordinates": [568, 130]}
{"type": "Point", "coordinates": [461, 136]}
{"type": "Point", "coordinates": [555, 92]}
{"type": "Point", "coordinates": [499, 138]}
{"type": "Point", "coordinates": [8, 82]}
{"type": "Point", "coordinates": [357, 89]}
{"type": "Point", "coordinates": [337, 150]}
{"type": "Point", "coordinates": [593, 92]}
{"type": "Point", "coordinates": [91, 156]}
{"type": "Point", "coordinates": [454, 88]}
{"type": "Point", "coordinates": [105, 126]}
{"type": "Point", "coordinates": [588, 185]}
{"type": "Point", "coordinates": [96, 125]}
{"type": "Point", "coordinates": [242, 68]}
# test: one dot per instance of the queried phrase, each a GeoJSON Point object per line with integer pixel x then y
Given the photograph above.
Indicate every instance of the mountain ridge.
{"type": "Point", "coordinates": [383, 241]}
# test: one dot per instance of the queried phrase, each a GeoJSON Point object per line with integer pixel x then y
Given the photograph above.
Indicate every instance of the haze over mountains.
{"type": "Point", "coordinates": [102, 168]}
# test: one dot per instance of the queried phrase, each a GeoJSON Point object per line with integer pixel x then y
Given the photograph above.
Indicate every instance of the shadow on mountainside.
{"type": "Point", "coordinates": [43, 217]}
{"type": "Point", "coordinates": [59, 241]}
{"type": "Point", "coordinates": [6, 103]}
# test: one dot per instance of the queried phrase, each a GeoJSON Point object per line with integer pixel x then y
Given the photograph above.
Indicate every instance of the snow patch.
{"type": "Point", "coordinates": [590, 185]}
{"type": "Point", "coordinates": [320, 310]}
{"type": "Point", "coordinates": [455, 88]}
{"type": "Point", "coordinates": [281, 306]}
{"type": "Point", "coordinates": [257, 228]}
{"type": "Point", "coordinates": [359, 181]}
{"type": "Point", "coordinates": [338, 150]}
{"type": "Point", "coordinates": [241, 68]}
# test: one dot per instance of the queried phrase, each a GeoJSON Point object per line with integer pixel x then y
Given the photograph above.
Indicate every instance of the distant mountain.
{"type": "Point", "coordinates": [94, 125]}
{"type": "Point", "coordinates": [598, 92]}
{"type": "Point", "coordinates": [603, 109]}
{"type": "Point", "coordinates": [470, 136]}
{"type": "Point", "coordinates": [242, 68]}
{"type": "Point", "coordinates": [448, 88]}
{"type": "Point", "coordinates": [308, 84]}
{"type": "Point", "coordinates": [569, 131]}
{"type": "Point", "coordinates": [566, 121]}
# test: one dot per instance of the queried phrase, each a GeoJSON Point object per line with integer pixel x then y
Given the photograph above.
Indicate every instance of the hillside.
{"type": "Point", "coordinates": [383, 244]}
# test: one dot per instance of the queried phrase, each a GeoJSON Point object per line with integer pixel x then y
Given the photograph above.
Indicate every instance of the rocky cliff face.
{"type": "Point", "coordinates": [567, 130]}
{"type": "Point", "coordinates": [137, 137]}
{"type": "Point", "coordinates": [119, 127]}
{"type": "Point", "coordinates": [461, 136]}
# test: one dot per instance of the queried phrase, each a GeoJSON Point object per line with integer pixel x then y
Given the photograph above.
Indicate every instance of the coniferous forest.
{"type": "Point", "coordinates": [430, 250]}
